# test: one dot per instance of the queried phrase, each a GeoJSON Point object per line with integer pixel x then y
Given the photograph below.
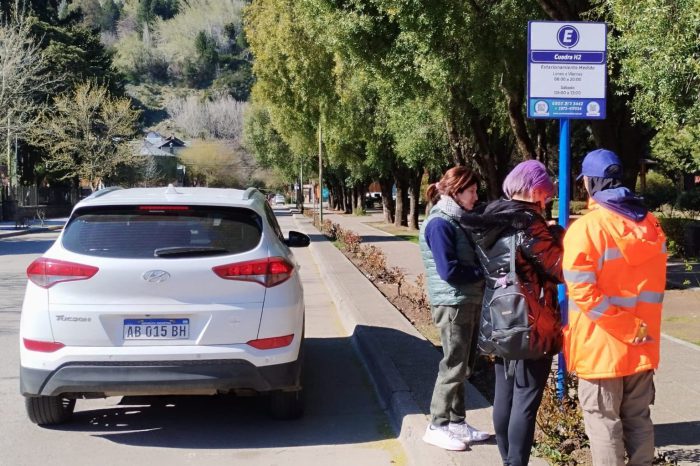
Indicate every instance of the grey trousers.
{"type": "Point", "coordinates": [458, 327]}
{"type": "Point", "coordinates": [617, 417]}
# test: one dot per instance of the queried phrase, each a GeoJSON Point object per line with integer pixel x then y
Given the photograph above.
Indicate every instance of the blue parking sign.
{"type": "Point", "coordinates": [567, 70]}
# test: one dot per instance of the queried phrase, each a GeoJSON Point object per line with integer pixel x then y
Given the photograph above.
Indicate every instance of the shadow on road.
{"type": "Point", "coordinates": [16, 246]}
{"type": "Point", "coordinates": [340, 409]}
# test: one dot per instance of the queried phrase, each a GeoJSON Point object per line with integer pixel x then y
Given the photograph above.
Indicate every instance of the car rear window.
{"type": "Point", "coordinates": [162, 231]}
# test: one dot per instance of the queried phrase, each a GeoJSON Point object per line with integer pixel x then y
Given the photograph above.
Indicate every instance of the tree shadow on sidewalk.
{"type": "Point", "coordinates": [676, 435]}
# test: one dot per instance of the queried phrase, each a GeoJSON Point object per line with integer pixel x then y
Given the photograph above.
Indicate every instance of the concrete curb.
{"type": "Point", "coordinates": [10, 234]}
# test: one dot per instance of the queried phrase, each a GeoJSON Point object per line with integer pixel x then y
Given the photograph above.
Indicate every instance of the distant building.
{"type": "Point", "coordinates": [164, 150]}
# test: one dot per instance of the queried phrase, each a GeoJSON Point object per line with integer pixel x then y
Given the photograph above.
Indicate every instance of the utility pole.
{"type": "Point", "coordinates": [10, 165]}
{"type": "Point", "coordinates": [320, 174]}
{"type": "Point", "coordinates": [301, 184]}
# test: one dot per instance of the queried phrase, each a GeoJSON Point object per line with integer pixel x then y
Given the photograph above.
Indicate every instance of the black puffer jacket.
{"type": "Point", "coordinates": [538, 260]}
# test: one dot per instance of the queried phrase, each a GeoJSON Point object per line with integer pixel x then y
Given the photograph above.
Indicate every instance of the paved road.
{"type": "Point", "coordinates": [343, 425]}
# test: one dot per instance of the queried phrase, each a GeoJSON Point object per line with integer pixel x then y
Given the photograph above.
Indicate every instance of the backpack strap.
{"type": "Point", "coordinates": [509, 367]}
{"type": "Point", "coordinates": [512, 247]}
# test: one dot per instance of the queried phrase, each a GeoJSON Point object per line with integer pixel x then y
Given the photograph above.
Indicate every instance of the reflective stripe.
{"type": "Point", "coordinates": [609, 254]}
{"type": "Point", "coordinates": [630, 301]}
{"type": "Point", "coordinates": [623, 302]}
{"type": "Point", "coordinates": [597, 312]}
{"type": "Point", "coordinates": [651, 297]}
{"type": "Point", "coordinates": [579, 277]}
{"type": "Point", "coordinates": [593, 314]}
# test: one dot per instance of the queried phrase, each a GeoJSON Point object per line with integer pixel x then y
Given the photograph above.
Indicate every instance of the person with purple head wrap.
{"type": "Point", "coordinates": [517, 219]}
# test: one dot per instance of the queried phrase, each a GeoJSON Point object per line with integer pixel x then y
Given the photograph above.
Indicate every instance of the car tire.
{"type": "Point", "coordinates": [287, 405]}
{"type": "Point", "coordinates": [49, 410]}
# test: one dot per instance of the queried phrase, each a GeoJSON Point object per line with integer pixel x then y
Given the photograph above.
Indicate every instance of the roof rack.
{"type": "Point", "coordinates": [103, 191]}
{"type": "Point", "coordinates": [250, 192]}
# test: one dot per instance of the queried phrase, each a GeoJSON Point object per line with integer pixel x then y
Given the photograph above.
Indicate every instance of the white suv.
{"type": "Point", "coordinates": [164, 291]}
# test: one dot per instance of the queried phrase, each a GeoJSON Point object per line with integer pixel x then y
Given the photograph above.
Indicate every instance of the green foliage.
{"type": "Point", "coordinates": [659, 190]}
{"type": "Point", "coordinates": [560, 427]}
{"type": "Point", "coordinates": [87, 134]}
{"type": "Point", "coordinates": [237, 83]}
{"type": "Point", "coordinates": [575, 207]}
{"type": "Point", "coordinates": [674, 228]}
{"type": "Point", "coordinates": [102, 15]}
{"type": "Point", "coordinates": [657, 47]}
{"type": "Point", "coordinates": [677, 148]}
{"type": "Point", "coordinates": [200, 71]}
{"type": "Point", "coordinates": [76, 53]}
{"type": "Point", "coordinates": [689, 201]}
{"type": "Point", "coordinates": [265, 143]}
{"type": "Point", "coordinates": [148, 10]}
{"type": "Point", "coordinates": [176, 36]}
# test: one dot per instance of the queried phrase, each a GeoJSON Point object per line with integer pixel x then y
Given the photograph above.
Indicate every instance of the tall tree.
{"type": "Point", "coordinates": [24, 79]}
{"type": "Point", "coordinates": [87, 134]}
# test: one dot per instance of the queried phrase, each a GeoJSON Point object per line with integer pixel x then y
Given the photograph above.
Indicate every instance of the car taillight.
{"type": "Point", "coordinates": [271, 343]}
{"type": "Point", "coordinates": [42, 346]}
{"type": "Point", "coordinates": [47, 272]}
{"type": "Point", "coordinates": [268, 272]}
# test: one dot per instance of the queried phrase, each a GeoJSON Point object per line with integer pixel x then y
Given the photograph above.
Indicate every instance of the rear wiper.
{"type": "Point", "coordinates": [188, 251]}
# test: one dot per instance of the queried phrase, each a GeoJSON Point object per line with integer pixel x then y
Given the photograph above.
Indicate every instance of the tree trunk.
{"type": "Point", "coordinates": [387, 202]}
{"type": "Point", "coordinates": [486, 159]}
{"type": "Point", "coordinates": [401, 213]}
{"type": "Point", "coordinates": [456, 143]}
{"type": "Point", "coordinates": [347, 200]}
{"type": "Point", "coordinates": [558, 10]}
{"type": "Point", "coordinates": [542, 150]}
{"type": "Point", "coordinates": [414, 196]}
{"type": "Point", "coordinates": [514, 99]}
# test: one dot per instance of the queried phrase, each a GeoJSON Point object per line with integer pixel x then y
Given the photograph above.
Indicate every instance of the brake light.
{"type": "Point", "coordinates": [42, 346]}
{"type": "Point", "coordinates": [268, 272]}
{"type": "Point", "coordinates": [47, 272]}
{"type": "Point", "coordinates": [160, 208]}
{"type": "Point", "coordinates": [271, 343]}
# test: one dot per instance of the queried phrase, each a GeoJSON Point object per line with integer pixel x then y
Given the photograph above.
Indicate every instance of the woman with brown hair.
{"type": "Point", "coordinates": [455, 289]}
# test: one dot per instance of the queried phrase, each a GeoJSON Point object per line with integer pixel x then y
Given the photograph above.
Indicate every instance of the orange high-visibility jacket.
{"type": "Point", "coordinates": [615, 272]}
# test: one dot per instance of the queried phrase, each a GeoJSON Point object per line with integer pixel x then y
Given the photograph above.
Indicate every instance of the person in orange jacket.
{"type": "Point", "coordinates": [615, 272]}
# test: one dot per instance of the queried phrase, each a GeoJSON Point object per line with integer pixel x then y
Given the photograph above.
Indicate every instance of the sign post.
{"type": "Point", "coordinates": [566, 79]}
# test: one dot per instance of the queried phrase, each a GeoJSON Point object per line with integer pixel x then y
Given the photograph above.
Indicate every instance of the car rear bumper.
{"type": "Point", "coordinates": [159, 378]}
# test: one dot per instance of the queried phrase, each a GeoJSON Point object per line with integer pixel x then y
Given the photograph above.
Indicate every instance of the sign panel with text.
{"type": "Point", "coordinates": [566, 70]}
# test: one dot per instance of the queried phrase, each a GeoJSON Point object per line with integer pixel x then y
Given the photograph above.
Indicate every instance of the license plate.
{"type": "Point", "coordinates": [156, 329]}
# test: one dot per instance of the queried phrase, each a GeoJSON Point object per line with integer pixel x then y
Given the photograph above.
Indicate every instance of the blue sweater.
{"type": "Point", "coordinates": [441, 238]}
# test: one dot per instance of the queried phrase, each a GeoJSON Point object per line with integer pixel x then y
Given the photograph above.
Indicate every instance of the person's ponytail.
{"type": "Point", "coordinates": [432, 193]}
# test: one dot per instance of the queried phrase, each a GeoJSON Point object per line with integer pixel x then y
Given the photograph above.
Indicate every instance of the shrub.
{"type": "Point", "coordinates": [690, 201]}
{"type": "Point", "coordinates": [660, 190]}
{"type": "Point", "coordinates": [675, 228]}
{"type": "Point", "coordinates": [561, 430]}
{"type": "Point", "coordinates": [575, 207]}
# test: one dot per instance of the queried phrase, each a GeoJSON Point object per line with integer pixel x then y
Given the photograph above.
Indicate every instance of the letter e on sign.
{"type": "Point", "coordinates": [568, 36]}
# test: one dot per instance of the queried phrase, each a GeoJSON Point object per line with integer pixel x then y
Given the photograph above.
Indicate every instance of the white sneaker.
{"type": "Point", "coordinates": [467, 433]}
{"type": "Point", "coordinates": [440, 436]}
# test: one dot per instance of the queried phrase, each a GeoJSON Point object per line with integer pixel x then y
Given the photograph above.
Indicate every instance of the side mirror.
{"type": "Point", "coordinates": [297, 240]}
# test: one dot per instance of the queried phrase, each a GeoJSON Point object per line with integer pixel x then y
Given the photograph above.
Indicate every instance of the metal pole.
{"type": "Point", "coordinates": [10, 164]}
{"type": "Point", "coordinates": [564, 198]}
{"type": "Point", "coordinates": [301, 183]}
{"type": "Point", "coordinates": [320, 175]}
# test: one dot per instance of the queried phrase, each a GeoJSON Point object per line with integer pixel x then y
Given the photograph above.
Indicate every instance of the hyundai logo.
{"type": "Point", "coordinates": [156, 276]}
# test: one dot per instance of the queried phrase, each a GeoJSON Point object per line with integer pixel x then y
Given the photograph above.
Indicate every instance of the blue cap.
{"type": "Point", "coordinates": [601, 163]}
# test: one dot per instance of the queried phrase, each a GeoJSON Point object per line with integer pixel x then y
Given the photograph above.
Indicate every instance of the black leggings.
{"type": "Point", "coordinates": [515, 405]}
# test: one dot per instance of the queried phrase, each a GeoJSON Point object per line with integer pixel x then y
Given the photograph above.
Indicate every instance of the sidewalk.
{"type": "Point", "coordinates": [8, 229]}
{"type": "Point", "coordinates": [676, 413]}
